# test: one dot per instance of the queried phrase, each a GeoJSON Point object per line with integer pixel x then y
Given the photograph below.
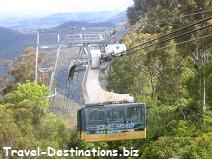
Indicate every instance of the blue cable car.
{"type": "Point", "coordinates": [111, 122]}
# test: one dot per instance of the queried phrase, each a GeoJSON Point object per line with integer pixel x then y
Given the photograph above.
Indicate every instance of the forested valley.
{"type": "Point", "coordinates": [173, 79]}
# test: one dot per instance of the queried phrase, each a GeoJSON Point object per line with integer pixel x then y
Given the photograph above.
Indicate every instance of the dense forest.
{"type": "Point", "coordinates": [175, 82]}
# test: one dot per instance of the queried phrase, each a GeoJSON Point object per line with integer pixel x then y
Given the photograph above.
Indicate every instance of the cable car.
{"type": "Point", "coordinates": [111, 122]}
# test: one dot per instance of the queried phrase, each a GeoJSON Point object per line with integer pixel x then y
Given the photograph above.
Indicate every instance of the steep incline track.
{"type": "Point", "coordinates": [94, 93]}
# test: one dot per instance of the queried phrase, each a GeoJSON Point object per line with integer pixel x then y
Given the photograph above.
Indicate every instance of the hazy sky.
{"type": "Point", "coordinates": [51, 6]}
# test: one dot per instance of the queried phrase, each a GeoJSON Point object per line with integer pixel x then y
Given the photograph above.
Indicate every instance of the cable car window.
{"type": "Point", "coordinates": [95, 121]}
{"type": "Point", "coordinates": [79, 121]}
{"type": "Point", "coordinates": [115, 120]}
{"type": "Point", "coordinates": [135, 118]}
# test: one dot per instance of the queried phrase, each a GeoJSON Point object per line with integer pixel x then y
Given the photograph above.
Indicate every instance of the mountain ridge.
{"type": "Point", "coordinates": [30, 24]}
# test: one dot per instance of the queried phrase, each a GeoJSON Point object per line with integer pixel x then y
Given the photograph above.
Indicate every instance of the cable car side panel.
{"type": "Point", "coordinates": [113, 122]}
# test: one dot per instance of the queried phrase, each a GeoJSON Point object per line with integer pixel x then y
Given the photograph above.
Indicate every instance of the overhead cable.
{"type": "Point", "coordinates": [180, 43]}
{"type": "Point", "coordinates": [177, 36]}
{"type": "Point", "coordinates": [171, 33]}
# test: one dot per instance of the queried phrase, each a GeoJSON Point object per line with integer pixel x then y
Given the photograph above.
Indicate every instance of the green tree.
{"type": "Point", "coordinates": [30, 91]}
{"type": "Point", "coordinates": [26, 122]}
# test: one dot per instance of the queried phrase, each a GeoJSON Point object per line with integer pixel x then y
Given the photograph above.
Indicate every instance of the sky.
{"type": "Point", "coordinates": [55, 6]}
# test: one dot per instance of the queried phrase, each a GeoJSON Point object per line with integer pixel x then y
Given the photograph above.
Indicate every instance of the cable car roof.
{"type": "Point", "coordinates": [115, 104]}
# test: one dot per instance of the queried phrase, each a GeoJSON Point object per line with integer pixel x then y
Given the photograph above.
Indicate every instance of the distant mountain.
{"type": "Point", "coordinates": [31, 24]}
{"type": "Point", "coordinates": [12, 43]}
{"type": "Point", "coordinates": [91, 17]}
{"type": "Point", "coordinates": [80, 24]}
{"type": "Point", "coordinates": [101, 24]}
{"type": "Point", "coordinates": [72, 24]}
